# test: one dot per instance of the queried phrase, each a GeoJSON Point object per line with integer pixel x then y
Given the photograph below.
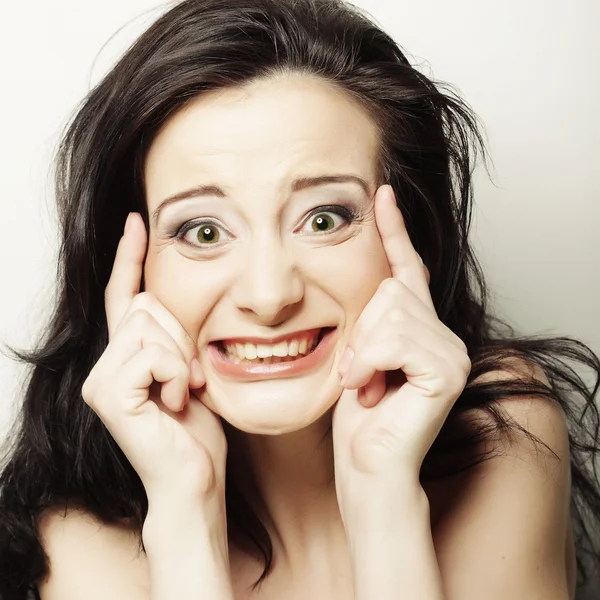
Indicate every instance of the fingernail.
{"type": "Point", "coordinates": [196, 369]}
{"type": "Point", "coordinates": [127, 223]}
{"type": "Point", "coordinates": [392, 195]}
{"type": "Point", "coordinates": [369, 398]}
{"type": "Point", "coordinates": [345, 360]}
{"type": "Point", "coordinates": [362, 396]}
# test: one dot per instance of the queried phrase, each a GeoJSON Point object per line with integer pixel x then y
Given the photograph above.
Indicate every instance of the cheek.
{"type": "Point", "coordinates": [187, 289]}
{"type": "Point", "coordinates": [351, 272]}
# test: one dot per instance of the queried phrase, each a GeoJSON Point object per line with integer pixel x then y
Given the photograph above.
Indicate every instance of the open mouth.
{"type": "Point", "coordinates": [288, 351]}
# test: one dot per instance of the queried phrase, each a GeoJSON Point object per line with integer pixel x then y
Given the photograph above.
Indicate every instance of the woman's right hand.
{"type": "Point", "coordinates": [142, 389]}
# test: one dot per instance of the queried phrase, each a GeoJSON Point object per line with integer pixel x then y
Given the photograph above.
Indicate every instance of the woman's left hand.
{"type": "Point", "coordinates": [382, 432]}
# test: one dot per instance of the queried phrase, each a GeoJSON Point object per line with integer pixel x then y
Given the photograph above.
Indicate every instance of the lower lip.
{"type": "Point", "coordinates": [256, 371]}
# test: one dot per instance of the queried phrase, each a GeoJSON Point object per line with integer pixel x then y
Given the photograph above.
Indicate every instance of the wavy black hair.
{"type": "Point", "coordinates": [59, 452]}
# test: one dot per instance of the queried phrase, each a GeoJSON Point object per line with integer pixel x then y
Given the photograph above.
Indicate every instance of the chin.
{"type": "Point", "coordinates": [270, 407]}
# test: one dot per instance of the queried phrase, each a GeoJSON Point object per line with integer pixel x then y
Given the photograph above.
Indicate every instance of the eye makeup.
{"type": "Point", "coordinates": [347, 213]}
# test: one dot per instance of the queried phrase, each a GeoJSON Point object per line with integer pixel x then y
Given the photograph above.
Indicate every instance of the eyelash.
{"type": "Point", "coordinates": [346, 212]}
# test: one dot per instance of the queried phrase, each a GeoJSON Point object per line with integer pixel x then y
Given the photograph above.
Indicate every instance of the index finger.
{"type": "Point", "coordinates": [126, 275]}
{"type": "Point", "coordinates": [405, 262]}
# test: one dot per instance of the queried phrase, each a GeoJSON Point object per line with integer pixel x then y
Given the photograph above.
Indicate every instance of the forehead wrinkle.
{"type": "Point", "coordinates": [264, 175]}
{"type": "Point", "coordinates": [282, 142]}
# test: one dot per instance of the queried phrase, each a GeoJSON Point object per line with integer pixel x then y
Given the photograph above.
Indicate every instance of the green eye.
{"type": "Point", "coordinates": [330, 218]}
{"type": "Point", "coordinates": [321, 221]}
{"type": "Point", "coordinates": [200, 234]}
{"type": "Point", "coordinates": [208, 234]}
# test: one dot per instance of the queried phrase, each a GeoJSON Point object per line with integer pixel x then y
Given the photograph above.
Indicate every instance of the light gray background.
{"type": "Point", "coordinates": [531, 70]}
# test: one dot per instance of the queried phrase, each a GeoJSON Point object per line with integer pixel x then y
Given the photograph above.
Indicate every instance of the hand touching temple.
{"type": "Point", "coordinates": [272, 371]}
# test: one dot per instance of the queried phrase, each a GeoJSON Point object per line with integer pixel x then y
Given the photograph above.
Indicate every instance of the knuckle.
{"type": "Point", "coordinates": [188, 345]}
{"type": "Point", "coordinates": [86, 391]}
{"type": "Point", "coordinates": [462, 345]}
{"type": "Point", "coordinates": [466, 365]}
{"type": "Point", "coordinates": [184, 343]}
{"type": "Point", "coordinates": [460, 374]}
{"type": "Point", "coordinates": [144, 300]}
{"type": "Point", "coordinates": [140, 318]}
{"type": "Point", "coordinates": [462, 362]}
{"type": "Point", "coordinates": [397, 315]}
{"type": "Point", "coordinates": [90, 395]}
{"type": "Point", "coordinates": [185, 371]}
{"type": "Point", "coordinates": [154, 352]}
{"type": "Point", "coordinates": [403, 343]}
{"type": "Point", "coordinates": [390, 285]}
{"type": "Point", "coordinates": [90, 385]}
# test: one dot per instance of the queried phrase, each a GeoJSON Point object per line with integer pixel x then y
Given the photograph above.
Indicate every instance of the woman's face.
{"type": "Point", "coordinates": [260, 257]}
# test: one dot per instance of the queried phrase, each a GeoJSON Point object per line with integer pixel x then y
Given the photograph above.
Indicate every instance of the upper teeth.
{"type": "Point", "coordinates": [291, 347]}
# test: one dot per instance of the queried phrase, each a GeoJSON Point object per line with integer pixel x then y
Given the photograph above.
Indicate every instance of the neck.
{"type": "Point", "coordinates": [289, 482]}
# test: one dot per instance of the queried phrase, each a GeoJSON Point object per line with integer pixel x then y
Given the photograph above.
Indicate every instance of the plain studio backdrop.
{"type": "Point", "coordinates": [530, 69]}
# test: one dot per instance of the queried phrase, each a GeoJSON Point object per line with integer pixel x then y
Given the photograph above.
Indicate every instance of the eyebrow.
{"type": "Point", "coordinates": [297, 185]}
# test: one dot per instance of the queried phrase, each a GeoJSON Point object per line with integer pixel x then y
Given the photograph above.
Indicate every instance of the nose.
{"type": "Point", "coordinates": [269, 283]}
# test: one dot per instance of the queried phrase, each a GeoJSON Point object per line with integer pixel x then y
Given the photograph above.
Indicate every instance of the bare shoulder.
{"type": "Point", "coordinates": [509, 515]}
{"type": "Point", "coordinates": [538, 426]}
{"type": "Point", "coordinates": [542, 418]}
{"type": "Point", "coordinates": [91, 559]}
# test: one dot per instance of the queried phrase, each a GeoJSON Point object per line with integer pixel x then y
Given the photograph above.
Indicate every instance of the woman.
{"type": "Point", "coordinates": [282, 379]}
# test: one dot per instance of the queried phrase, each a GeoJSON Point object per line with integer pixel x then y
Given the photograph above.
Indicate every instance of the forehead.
{"type": "Point", "coordinates": [266, 133]}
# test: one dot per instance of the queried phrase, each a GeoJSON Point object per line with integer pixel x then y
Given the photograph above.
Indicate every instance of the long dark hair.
{"type": "Point", "coordinates": [59, 452]}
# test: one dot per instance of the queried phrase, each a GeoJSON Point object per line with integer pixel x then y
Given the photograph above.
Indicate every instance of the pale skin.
{"type": "Point", "coordinates": [375, 532]}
